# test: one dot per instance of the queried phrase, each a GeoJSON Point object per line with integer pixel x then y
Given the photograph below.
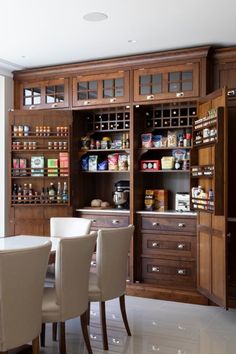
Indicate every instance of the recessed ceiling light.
{"type": "Point", "coordinates": [132, 41]}
{"type": "Point", "coordinates": [95, 16]}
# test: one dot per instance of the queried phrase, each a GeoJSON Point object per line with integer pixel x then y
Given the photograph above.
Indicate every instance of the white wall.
{"type": "Point", "coordinates": [6, 103]}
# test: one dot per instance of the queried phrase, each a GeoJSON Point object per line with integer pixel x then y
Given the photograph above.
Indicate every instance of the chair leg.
{"type": "Point", "coordinates": [42, 335]}
{"type": "Point", "coordinates": [54, 331]}
{"type": "Point", "coordinates": [83, 322]}
{"type": "Point", "coordinates": [88, 314]}
{"type": "Point", "coordinates": [104, 325]}
{"type": "Point", "coordinates": [62, 338]}
{"type": "Point", "coordinates": [35, 346]}
{"type": "Point", "coordinates": [123, 313]}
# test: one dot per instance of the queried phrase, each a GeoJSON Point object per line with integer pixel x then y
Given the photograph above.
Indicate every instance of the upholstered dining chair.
{"type": "Point", "coordinates": [69, 298]}
{"type": "Point", "coordinates": [22, 273]}
{"type": "Point", "coordinates": [109, 281]}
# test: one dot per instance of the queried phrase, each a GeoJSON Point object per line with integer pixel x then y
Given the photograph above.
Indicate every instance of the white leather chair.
{"type": "Point", "coordinates": [22, 273]}
{"type": "Point", "coordinates": [69, 298]}
{"type": "Point", "coordinates": [69, 226]}
{"type": "Point", "coordinates": [109, 281]}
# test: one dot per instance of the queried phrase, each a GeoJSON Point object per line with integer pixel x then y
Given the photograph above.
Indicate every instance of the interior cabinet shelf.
{"type": "Point", "coordinates": [104, 150]}
{"type": "Point", "coordinates": [105, 171]}
{"type": "Point", "coordinates": [165, 171]}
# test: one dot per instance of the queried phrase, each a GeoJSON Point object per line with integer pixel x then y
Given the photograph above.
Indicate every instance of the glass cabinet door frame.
{"type": "Point", "coordinates": [43, 85]}
{"type": "Point", "coordinates": [100, 78]}
{"type": "Point", "coordinates": [165, 71]}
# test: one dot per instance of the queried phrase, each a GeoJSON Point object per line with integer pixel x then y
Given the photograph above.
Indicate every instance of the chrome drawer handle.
{"type": "Point", "coordinates": [155, 269]}
{"type": "Point", "coordinates": [181, 271]}
{"type": "Point", "coordinates": [93, 263]}
{"type": "Point", "coordinates": [181, 224]}
{"type": "Point", "coordinates": [115, 221]}
{"type": "Point", "coordinates": [112, 99]}
{"type": "Point", "coordinates": [180, 246]}
{"type": "Point", "coordinates": [32, 107]}
{"type": "Point", "coordinates": [150, 97]}
{"type": "Point", "coordinates": [155, 224]}
{"type": "Point", "coordinates": [155, 244]}
{"type": "Point", "coordinates": [180, 94]}
{"type": "Point", "coordinates": [86, 102]}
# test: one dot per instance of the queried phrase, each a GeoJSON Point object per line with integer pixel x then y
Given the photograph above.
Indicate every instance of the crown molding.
{"type": "Point", "coordinates": [7, 68]}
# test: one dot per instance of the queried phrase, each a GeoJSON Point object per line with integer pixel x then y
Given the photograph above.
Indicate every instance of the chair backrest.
{"type": "Point", "coordinates": [111, 258]}
{"type": "Point", "coordinates": [69, 226]}
{"type": "Point", "coordinates": [22, 274]}
{"type": "Point", "coordinates": [73, 258]}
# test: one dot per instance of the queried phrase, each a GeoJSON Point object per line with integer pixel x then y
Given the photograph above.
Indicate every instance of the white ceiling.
{"type": "Point", "coordinates": [47, 32]}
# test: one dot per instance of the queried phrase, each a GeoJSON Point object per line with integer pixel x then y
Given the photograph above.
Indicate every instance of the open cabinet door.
{"type": "Point", "coordinates": [209, 171]}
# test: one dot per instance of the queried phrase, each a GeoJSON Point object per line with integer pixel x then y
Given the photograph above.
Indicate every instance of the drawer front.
{"type": "Point", "coordinates": [183, 225]}
{"type": "Point", "coordinates": [169, 273]}
{"type": "Point", "coordinates": [107, 221]}
{"type": "Point", "coordinates": [174, 245]}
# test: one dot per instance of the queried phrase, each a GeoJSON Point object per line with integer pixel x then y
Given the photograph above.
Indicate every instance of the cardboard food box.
{"type": "Point", "coordinates": [23, 163]}
{"type": "Point", "coordinates": [64, 163]}
{"type": "Point", "coordinates": [156, 199]}
{"type": "Point", "coordinates": [52, 167]}
{"type": "Point", "coordinates": [37, 166]}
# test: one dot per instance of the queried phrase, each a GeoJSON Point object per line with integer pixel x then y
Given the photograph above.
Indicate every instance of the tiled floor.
{"type": "Point", "coordinates": [157, 327]}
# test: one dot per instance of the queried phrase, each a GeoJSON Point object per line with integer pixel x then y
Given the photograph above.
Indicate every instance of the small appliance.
{"type": "Point", "coordinates": [121, 194]}
{"type": "Point", "coordinates": [182, 202]}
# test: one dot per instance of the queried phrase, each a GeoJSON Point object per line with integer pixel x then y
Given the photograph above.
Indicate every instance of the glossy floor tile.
{"type": "Point", "coordinates": [157, 327]}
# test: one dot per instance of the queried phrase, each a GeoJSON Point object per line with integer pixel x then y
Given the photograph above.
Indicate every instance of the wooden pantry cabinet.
{"type": "Point", "coordinates": [107, 101]}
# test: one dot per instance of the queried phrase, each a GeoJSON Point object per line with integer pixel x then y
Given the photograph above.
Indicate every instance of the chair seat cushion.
{"type": "Point", "coordinates": [50, 308]}
{"type": "Point", "coordinates": [94, 290]}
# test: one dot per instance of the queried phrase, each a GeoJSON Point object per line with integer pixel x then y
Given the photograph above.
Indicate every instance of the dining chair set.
{"type": "Point", "coordinates": [69, 286]}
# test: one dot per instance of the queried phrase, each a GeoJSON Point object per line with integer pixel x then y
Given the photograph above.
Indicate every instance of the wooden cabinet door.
{"type": "Point", "coordinates": [212, 225]}
{"type": "Point", "coordinates": [110, 88]}
{"type": "Point", "coordinates": [171, 82]}
{"type": "Point", "coordinates": [48, 94]}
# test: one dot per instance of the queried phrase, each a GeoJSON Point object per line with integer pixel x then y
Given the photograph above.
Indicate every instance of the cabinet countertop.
{"type": "Point", "coordinates": [168, 212]}
{"type": "Point", "coordinates": [104, 211]}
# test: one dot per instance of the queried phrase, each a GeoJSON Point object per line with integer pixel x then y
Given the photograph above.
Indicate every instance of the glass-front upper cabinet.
{"type": "Point", "coordinates": [106, 88]}
{"type": "Point", "coordinates": [175, 81]}
{"type": "Point", "coordinates": [45, 94]}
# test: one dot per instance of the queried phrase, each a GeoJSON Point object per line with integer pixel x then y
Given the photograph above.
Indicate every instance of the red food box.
{"type": "Point", "coordinates": [150, 165]}
{"type": "Point", "coordinates": [64, 163]}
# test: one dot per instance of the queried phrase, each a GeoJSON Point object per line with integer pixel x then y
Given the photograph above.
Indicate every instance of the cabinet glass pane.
{"type": "Point", "coordinates": [82, 95]}
{"type": "Point", "coordinates": [174, 87]}
{"type": "Point", "coordinates": [92, 95]}
{"type": "Point", "coordinates": [27, 101]}
{"type": "Point", "coordinates": [37, 100]}
{"type": "Point", "coordinates": [93, 85]}
{"type": "Point", "coordinates": [107, 84]}
{"type": "Point", "coordinates": [187, 86]}
{"type": "Point", "coordinates": [59, 88]}
{"type": "Point", "coordinates": [156, 88]}
{"type": "Point", "coordinates": [119, 82]}
{"type": "Point", "coordinates": [36, 91]}
{"type": "Point", "coordinates": [108, 93]}
{"type": "Point", "coordinates": [145, 90]}
{"type": "Point", "coordinates": [187, 75]}
{"type": "Point", "coordinates": [59, 98]}
{"type": "Point", "coordinates": [145, 80]}
{"type": "Point", "coordinates": [50, 90]}
{"type": "Point", "coordinates": [50, 99]}
{"type": "Point", "coordinates": [82, 86]}
{"type": "Point", "coordinates": [27, 92]}
{"type": "Point", "coordinates": [174, 76]}
{"type": "Point", "coordinates": [119, 92]}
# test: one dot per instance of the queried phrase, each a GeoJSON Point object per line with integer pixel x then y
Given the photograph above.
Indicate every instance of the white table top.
{"type": "Point", "coordinates": [24, 241]}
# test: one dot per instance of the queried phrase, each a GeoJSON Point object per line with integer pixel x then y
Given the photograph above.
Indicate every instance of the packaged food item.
{"type": "Point", "coordinates": [64, 163]}
{"type": "Point", "coordinates": [156, 140]}
{"type": "Point", "coordinates": [52, 167]}
{"type": "Point", "coordinates": [149, 200]}
{"type": "Point", "coordinates": [150, 165]}
{"type": "Point", "coordinates": [160, 199]}
{"type": "Point", "coordinates": [167, 162]}
{"type": "Point", "coordinates": [93, 163]}
{"type": "Point", "coordinates": [123, 163]}
{"type": "Point", "coordinates": [103, 165]}
{"type": "Point", "coordinates": [37, 166]}
{"type": "Point", "coordinates": [146, 140]}
{"type": "Point", "coordinates": [113, 162]}
{"type": "Point", "coordinates": [164, 141]}
{"type": "Point", "coordinates": [172, 138]}
{"type": "Point", "coordinates": [84, 162]}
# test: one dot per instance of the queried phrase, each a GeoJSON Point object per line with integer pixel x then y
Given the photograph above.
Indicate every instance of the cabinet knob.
{"type": "Point", "coordinates": [86, 103]}
{"type": "Point", "coordinates": [93, 263]}
{"type": "Point", "coordinates": [181, 224]}
{"type": "Point", "coordinates": [155, 244]}
{"type": "Point", "coordinates": [150, 97]}
{"type": "Point", "coordinates": [155, 269]}
{"type": "Point", "coordinates": [54, 105]}
{"type": "Point", "coordinates": [155, 223]}
{"type": "Point", "coordinates": [94, 221]}
{"type": "Point", "coordinates": [32, 107]}
{"type": "Point", "coordinates": [115, 221]}
{"type": "Point", "coordinates": [180, 246]}
{"type": "Point", "coordinates": [231, 93]}
{"type": "Point", "coordinates": [181, 271]}
{"type": "Point", "coordinates": [179, 94]}
{"type": "Point", "coordinates": [112, 99]}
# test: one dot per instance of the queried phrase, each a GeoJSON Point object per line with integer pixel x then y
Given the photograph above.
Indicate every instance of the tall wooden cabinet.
{"type": "Point", "coordinates": [108, 105]}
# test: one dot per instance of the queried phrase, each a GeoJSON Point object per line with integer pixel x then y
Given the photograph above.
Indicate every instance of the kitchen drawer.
{"type": "Point", "coordinates": [170, 224]}
{"type": "Point", "coordinates": [107, 221]}
{"type": "Point", "coordinates": [167, 272]}
{"type": "Point", "coordinates": [174, 245]}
